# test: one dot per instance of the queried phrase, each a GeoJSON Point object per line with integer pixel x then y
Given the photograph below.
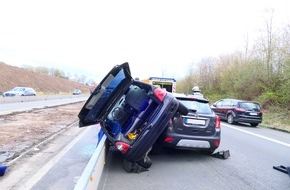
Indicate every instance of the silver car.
{"type": "Point", "coordinates": [20, 91]}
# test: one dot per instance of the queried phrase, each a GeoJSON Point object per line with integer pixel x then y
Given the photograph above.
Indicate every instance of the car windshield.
{"type": "Point", "coordinates": [250, 106]}
{"type": "Point", "coordinates": [200, 107]}
{"type": "Point", "coordinates": [20, 89]}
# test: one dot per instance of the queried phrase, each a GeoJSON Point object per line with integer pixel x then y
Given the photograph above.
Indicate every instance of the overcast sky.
{"type": "Point", "coordinates": [156, 37]}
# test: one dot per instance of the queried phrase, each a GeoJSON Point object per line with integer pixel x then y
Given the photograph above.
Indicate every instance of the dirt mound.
{"type": "Point", "coordinates": [12, 76]}
{"type": "Point", "coordinates": [20, 131]}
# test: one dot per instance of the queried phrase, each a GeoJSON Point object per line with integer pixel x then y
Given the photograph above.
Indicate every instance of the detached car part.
{"type": "Point", "coordinates": [223, 154]}
{"type": "Point", "coordinates": [283, 169]}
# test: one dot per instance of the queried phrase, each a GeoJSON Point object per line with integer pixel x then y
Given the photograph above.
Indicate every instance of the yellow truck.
{"type": "Point", "coordinates": [169, 84]}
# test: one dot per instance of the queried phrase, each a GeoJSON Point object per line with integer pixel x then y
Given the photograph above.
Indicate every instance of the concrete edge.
{"type": "Point", "coordinates": [91, 176]}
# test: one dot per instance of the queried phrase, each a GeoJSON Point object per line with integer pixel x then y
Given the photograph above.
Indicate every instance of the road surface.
{"type": "Point", "coordinates": [18, 104]}
{"type": "Point", "coordinates": [254, 152]}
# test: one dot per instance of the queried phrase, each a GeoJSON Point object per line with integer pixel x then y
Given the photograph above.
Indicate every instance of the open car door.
{"type": "Point", "coordinates": [109, 90]}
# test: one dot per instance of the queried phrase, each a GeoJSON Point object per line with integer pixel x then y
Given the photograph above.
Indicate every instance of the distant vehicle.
{"type": "Point", "coordinates": [77, 92]}
{"type": "Point", "coordinates": [198, 130]}
{"type": "Point", "coordinates": [235, 111]}
{"type": "Point", "coordinates": [20, 91]}
{"type": "Point", "coordinates": [131, 113]}
{"type": "Point", "coordinates": [169, 84]}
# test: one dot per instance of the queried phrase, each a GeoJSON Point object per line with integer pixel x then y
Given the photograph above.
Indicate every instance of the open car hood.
{"type": "Point", "coordinates": [109, 90]}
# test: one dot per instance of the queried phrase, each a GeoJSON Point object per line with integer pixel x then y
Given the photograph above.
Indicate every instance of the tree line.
{"type": "Point", "coordinates": [60, 73]}
{"type": "Point", "coordinates": [259, 72]}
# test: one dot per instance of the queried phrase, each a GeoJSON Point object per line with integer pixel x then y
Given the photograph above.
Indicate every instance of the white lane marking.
{"type": "Point", "coordinates": [260, 136]}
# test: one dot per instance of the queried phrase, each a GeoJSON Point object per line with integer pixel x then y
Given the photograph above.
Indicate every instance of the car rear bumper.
{"type": "Point", "coordinates": [248, 120]}
{"type": "Point", "coordinates": [190, 142]}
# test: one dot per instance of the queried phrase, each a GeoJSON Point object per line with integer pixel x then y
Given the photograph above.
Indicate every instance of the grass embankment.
{"type": "Point", "coordinates": [276, 118]}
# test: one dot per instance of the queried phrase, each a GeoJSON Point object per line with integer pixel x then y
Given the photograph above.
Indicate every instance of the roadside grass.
{"type": "Point", "coordinates": [276, 118]}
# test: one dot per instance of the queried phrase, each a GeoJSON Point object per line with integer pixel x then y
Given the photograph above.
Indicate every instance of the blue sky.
{"type": "Point", "coordinates": [156, 37]}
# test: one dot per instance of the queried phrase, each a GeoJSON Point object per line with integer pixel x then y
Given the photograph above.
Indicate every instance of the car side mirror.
{"type": "Point", "coordinates": [214, 105]}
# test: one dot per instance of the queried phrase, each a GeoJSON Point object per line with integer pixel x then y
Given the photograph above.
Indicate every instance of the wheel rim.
{"type": "Point", "coordinates": [230, 119]}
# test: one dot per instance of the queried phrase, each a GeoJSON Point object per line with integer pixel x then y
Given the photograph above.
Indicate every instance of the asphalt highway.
{"type": "Point", "coordinates": [17, 104]}
{"type": "Point", "coordinates": [253, 153]}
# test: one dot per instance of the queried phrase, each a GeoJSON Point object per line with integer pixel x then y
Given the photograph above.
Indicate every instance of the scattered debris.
{"type": "Point", "coordinates": [283, 169]}
{"type": "Point", "coordinates": [223, 154]}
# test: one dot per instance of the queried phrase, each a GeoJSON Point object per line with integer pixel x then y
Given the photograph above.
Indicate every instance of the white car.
{"type": "Point", "coordinates": [20, 91]}
{"type": "Point", "coordinates": [77, 92]}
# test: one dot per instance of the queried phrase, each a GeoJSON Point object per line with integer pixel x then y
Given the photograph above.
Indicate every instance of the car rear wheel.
{"type": "Point", "coordinates": [230, 119]}
{"type": "Point", "coordinates": [254, 124]}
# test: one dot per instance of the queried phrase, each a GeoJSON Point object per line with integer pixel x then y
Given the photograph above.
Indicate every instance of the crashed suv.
{"type": "Point", "coordinates": [198, 130]}
{"type": "Point", "coordinates": [132, 114]}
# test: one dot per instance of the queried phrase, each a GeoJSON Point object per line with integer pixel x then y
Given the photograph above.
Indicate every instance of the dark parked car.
{"type": "Point", "coordinates": [233, 110]}
{"type": "Point", "coordinates": [20, 91]}
{"type": "Point", "coordinates": [131, 113]}
{"type": "Point", "coordinates": [198, 130]}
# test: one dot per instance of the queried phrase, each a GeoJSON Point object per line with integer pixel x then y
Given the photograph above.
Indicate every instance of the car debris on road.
{"type": "Point", "coordinates": [283, 169]}
{"type": "Point", "coordinates": [223, 154]}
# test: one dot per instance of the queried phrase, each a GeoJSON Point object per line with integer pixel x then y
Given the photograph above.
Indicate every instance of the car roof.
{"type": "Point", "coordinates": [23, 87]}
{"type": "Point", "coordinates": [196, 97]}
{"type": "Point", "coordinates": [238, 100]}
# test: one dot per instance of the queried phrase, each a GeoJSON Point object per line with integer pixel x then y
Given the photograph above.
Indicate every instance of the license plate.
{"type": "Point", "coordinates": [194, 121]}
{"type": "Point", "coordinates": [253, 113]}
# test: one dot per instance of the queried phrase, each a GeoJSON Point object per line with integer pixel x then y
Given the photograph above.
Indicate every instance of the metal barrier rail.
{"type": "Point", "coordinates": [91, 176]}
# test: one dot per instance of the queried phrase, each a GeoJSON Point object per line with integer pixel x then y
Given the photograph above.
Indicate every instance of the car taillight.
{"type": "Point", "coordinates": [216, 143]}
{"type": "Point", "coordinates": [217, 122]}
{"type": "Point", "coordinates": [160, 94]}
{"type": "Point", "coordinates": [168, 139]}
{"type": "Point", "coordinates": [122, 147]}
{"type": "Point", "coordinates": [240, 110]}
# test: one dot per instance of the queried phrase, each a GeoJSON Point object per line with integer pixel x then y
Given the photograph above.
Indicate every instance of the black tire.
{"type": "Point", "coordinates": [230, 119]}
{"type": "Point", "coordinates": [254, 124]}
{"type": "Point", "coordinates": [182, 109]}
{"type": "Point", "coordinates": [145, 163]}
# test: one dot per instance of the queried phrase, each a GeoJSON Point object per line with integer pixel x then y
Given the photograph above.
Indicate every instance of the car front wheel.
{"type": "Point", "coordinates": [230, 119]}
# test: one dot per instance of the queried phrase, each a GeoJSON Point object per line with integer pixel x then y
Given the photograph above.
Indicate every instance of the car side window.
{"type": "Point", "coordinates": [233, 104]}
{"type": "Point", "coordinates": [219, 104]}
{"type": "Point", "coordinates": [227, 104]}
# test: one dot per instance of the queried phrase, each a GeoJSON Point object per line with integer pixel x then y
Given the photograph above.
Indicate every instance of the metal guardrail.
{"type": "Point", "coordinates": [90, 178]}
